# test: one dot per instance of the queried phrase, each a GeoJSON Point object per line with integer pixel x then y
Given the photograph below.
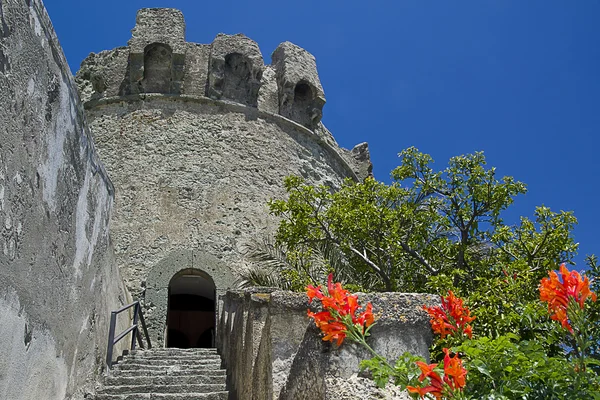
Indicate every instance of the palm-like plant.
{"type": "Point", "coordinates": [270, 264]}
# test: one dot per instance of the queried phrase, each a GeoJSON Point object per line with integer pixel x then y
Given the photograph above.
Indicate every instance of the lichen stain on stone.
{"type": "Point", "coordinates": [37, 27]}
{"type": "Point", "coordinates": [262, 297]}
{"type": "Point", "coordinates": [85, 238]}
{"type": "Point", "coordinates": [33, 368]}
{"type": "Point", "coordinates": [4, 29]}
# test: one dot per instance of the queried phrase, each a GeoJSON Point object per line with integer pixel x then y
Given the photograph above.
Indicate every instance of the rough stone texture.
{"type": "Point", "coordinates": [272, 350]}
{"type": "Point", "coordinates": [360, 159]}
{"type": "Point", "coordinates": [158, 25]}
{"type": "Point", "coordinates": [101, 74]}
{"type": "Point", "coordinates": [197, 174]}
{"type": "Point", "coordinates": [58, 275]}
{"type": "Point", "coordinates": [301, 96]}
{"type": "Point", "coordinates": [196, 69]}
{"type": "Point", "coordinates": [235, 69]}
{"type": "Point", "coordinates": [359, 388]}
{"type": "Point", "coordinates": [268, 99]}
{"type": "Point", "coordinates": [156, 54]}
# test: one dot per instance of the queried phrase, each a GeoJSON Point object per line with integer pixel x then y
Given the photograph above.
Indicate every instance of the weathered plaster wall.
{"type": "Point", "coordinates": [272, 350]}
{"type": "Point", "coordinates": [58, 276]}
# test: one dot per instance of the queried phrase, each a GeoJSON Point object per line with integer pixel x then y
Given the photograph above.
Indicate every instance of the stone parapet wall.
{"type": "Point", "coordinates": [159, 60]}
{"type": "Point", "coordinates": [273, 351]}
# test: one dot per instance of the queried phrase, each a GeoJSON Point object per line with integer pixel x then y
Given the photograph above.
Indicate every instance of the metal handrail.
{"type": "Point", "coordinates": [112, 340]}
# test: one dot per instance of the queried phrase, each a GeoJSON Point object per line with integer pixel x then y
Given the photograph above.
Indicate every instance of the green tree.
{"type": "Point", "coordinates": [427, 231]}
{"type": "Point", "coordinates": [435, 231]}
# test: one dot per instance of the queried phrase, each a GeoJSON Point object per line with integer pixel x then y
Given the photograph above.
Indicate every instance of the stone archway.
{"type": "Point", "coordinates": [191, 310]}
{"type": "Point", "coordinates": [156, 300]}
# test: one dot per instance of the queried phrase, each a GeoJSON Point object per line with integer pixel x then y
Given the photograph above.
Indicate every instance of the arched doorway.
{"type": "Point", "coordinates": [191, 310]}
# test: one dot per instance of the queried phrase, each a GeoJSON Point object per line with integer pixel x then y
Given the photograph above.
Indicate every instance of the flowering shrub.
{"type": "Point", "coordinates": [339, 319]}
{"type": "Point", "coordinates": [558, 295]}
{"type": "Point", "coordinates": [504, 367]}
{"type": "Point", "coordinates": [451, 318]}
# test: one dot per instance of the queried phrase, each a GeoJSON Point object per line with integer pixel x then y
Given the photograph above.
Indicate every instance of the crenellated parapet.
{"type": "Point", "coordinates": [158, 63]}
{"type": "Point", "coordinates": [235, 69]}
{"type": "Point", "coordinates": [301, 96]}
{"type": "Point", "coordinates": [157, 55]}
{"type": "Point", "coordinates": [231, 68]}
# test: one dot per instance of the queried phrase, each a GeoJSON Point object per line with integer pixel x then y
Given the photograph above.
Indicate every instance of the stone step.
{"type": "Point", "coordinates": [154, 356]}
{"type": "Point", "coordinates": [189, 388]}
{"type": "Point", "coordinates": [223, 395]}
{"type": "Point", "coordinates": [173, 351]}
{"type": "Point", "coordinates": [171, 361]}
{"type": "Point", "coordinates": [168, 372]}
{"type": "Point", "coordinates": [164, 380]}
{"type": "Point", "coordinates": [165, 367]}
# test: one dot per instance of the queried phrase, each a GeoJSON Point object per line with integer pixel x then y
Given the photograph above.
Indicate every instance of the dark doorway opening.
{"type": "Point", "coordinates": [191, 310]}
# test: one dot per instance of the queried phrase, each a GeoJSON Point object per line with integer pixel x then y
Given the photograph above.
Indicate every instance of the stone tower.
{"type": "Point", "coordinates": [196, 139]}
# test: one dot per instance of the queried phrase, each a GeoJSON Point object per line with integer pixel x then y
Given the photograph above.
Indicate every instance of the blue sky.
{"type": "Point", "coordinates": [517, 79]}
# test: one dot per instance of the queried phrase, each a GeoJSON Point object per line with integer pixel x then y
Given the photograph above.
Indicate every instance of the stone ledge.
{"type": "Point", "coordinates": [273, 351]}
{"type": "Point", "coordinates": [231, 106]}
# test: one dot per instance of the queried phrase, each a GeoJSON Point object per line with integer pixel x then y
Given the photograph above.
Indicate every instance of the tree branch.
{"type": "Point", "coordinates": [384, 277]}
{"type": "Point", "coordinates": [415, 254]}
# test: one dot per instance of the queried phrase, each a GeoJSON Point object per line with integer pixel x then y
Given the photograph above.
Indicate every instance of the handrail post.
{"type": "Point", "coordinates": [111, 338]}
{"type": "Point", "coordinates": [145, 329]}
{"type": "Point", "coordinates": [136, 311]}
{"type": "Point", "coordinates": [138, 317]}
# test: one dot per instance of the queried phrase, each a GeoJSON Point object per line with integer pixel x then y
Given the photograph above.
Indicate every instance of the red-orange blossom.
{"type": "Point", "coordinates": [339, 304]}
{"type": "Point", "coordinates": [451, 317]}
{"type": "Point", "coordinates": [558, 294]}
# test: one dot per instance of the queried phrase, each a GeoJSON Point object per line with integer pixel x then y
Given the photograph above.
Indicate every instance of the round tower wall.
{"type": "Point", "coordinates": [197, 139]}
{"type": "Point", "coordinates": [198, 174]}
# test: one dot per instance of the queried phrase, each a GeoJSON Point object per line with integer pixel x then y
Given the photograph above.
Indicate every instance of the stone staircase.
{"type": "Point", "coordinates": [166, 374]}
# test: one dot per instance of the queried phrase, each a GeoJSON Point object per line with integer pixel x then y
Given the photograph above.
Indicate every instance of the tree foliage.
{"type": "Point", "coordinates": [428, 231]}
{"type": "Point", "coordinates": [443, 230]}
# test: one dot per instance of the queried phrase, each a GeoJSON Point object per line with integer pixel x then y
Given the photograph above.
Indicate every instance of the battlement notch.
{"type": "Point", "coordinates": [301, 96]}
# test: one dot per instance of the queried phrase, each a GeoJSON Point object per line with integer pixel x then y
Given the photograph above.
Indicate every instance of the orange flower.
{"type": "Point", "coordinates": [313, 292]}
{"type": "Point", "coordinates": [451, 317]}
{"type": "Point", "coordinates": [338, 304]}
{"type": "Point", "coordinates": [454, 373]}
{"type": "Point", "coordinates": [334, 331]}
{"type": "Point", "coordinates": [454, 377]}
{"type": "Point", "coordinates": [436, 384]}
{"type": "Point", "coordinates": [427, 370]}
{"type": "Point", "coordinates": [558, 294]}
{"type": "Point", "coordinates": [422, 391]}
{"type": "Point", "coordinates": [469, 331]}
{"type": "Point", "coordinates": [365, 318]}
